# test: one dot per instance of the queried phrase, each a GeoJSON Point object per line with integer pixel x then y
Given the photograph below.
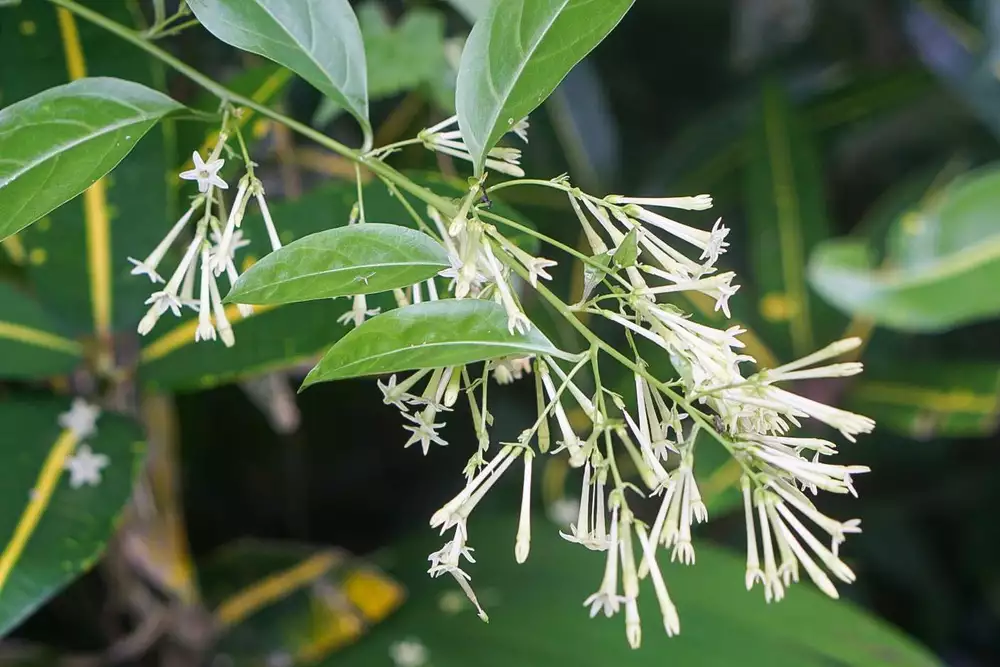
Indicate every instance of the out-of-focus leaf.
{"type": "Point", "coordinates": [943, 270]}
{"type": "Point", "coordinates": [75, 257]}
{"type": "Point", "coordinates": [358, 259]}
{"type": "Point", "coordinates": [317, 39]}
{"type": "Point", "coordinates": [400, 57]}
{"type": "Point", "coordinates": [926, 399]}
{"type": "Point", "coordinates": [31, 342]}
{"type": "Point", "coordinates": [586, 127]}
{"type": "Point", "coordinates": [958, 55]}
{"type": "Point", "coordinates": [52, 531]}
{"type": "Point", "coordinates": [290, 335]}
{"type": "Point", "coordinates": [432, 334]}
{"type": "Point", "coordinates": [57, 143]}
{"type": "Point", "coordinates": [541, 600]}
{"type": "Point", "coordinates": [787, 217]}
{"type": "Point", "coordinates": [472, 10]}
{"type": "Point", "coordinates": [706, 154]}
{"type": "Point", "coordinates": [517, 55]}
{"type": "Point", "coordinates": [291, 603]}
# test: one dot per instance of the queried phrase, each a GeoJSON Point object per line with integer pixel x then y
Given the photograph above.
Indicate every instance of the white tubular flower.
{"type": "Point", "coordinates": [257, 188]}
{"type": "Point", "coordinates": [711, 243]}
{"type": "Point", "coordinates": [358, 312]}
{"type": "Point", "coordinates": [682, 506]}
{"type": "Point", "coordinates": [167, 299]}
{"type": "Point", "coordinates": [206, 329]}
{"type": "Point", "coordinates": [149, 265]}
{"type": "Point", "coordinates": [187, 288]}
{"type": "Point", "coordinates": [607, 599]}
{"type": "Point", "coordinates": [503, 160]}
{"type": "Point", "coordinates": [225, 245]}
{"type": "Point", "coordinates": [718, 287]}
{"type": "Point", "coordinates": [570, 441]}
{"type": "Point", "coordinates": [81, 418]}
{"type": "Point", "coordinates": [85, 467]}
{"type": "Point", "coordinates": [206, 174]}
{"type": "Point", "coordinates": [235, 243]}
{"type": "Point", "coordinates": [448, 561]}
{"type": "Point", "coordinates": [509, 369]}
{"type": "Point", "coordinates": [457, 509]}
{"type": "Point", "coordinates": [590, 529]}
{"type": "Point", "coordinates": [811, 474]}
{"type": "Point", "coordinates": [424, 429]}
{"type": "Point", "coordinates": [521, 129]}
{"type": "Point", "coordinates": [697, 203]}
{"type": "Point", "coordinates": [516, 320]}
{"type": "Point", "coordinates": [671, 621]}
{"type": "Point", "coordinates": [222, 324]}
{"type": "Point", "coordinates": [754, 573]}
{"type": "Point", "coordinates": [522, 543]}
{"type": "Point", "coordinates": [398, 395]}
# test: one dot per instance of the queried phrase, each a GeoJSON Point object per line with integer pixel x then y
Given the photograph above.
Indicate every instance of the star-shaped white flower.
{"type": "Point", "coordinates": [85, 467]}
{"type": "Point", "coordinates": [425, 431]}
{"type": "Point", "coordinates": [81, 418]}
{"type": "Point", "coordinates": [207, 174]}
{"type": "Point", "coordinates": [142, 268]}
{"type": "Point", "coordinates": [409, 652]}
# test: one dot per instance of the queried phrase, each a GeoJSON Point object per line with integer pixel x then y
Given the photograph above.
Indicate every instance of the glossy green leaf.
{"type": "Point", "coordinates": [537, 618]}
{"type": "Point", "coordinates": [32, 344]}
{"type": "Point", "coordinates": [274, 599]}
{"type": "Point", "coordinates": [59, 142]}
{"type": "Point", "coordinates": [69, 281]}
{"type": "Point", "coordinates": [932, 398]}
{"type": "Point", "coordinates": [428, 335]}
{"type": "Point", "coordinates": [787, 218]}
{"type": "Point", "coordinates": [401, 57]}
{"type": "Point", "coordinates": [317, 39]}
{"type": "Point", "coordinates": [297, 333]}
{"type": "Point", "coordinates": [358, 259]}
{"type": "Point", "coordinates": [943, 268]}
{"type": "Point", "coordinates": [515, 57]}
{"type": "Point", "coordinates": [73, 525]}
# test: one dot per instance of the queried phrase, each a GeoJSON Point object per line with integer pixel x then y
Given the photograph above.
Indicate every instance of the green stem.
{"type": "Point", "coordinates": [223, 93]}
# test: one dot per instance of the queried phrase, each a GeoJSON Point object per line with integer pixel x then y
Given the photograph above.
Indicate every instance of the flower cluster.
{"type": "Point", "coordinates": [210, 249]}
{"type": "Point", "coordinates": [640, 261]}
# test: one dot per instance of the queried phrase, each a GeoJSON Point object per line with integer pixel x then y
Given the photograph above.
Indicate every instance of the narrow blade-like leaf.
{"type": "Point", "coordinates": [54, 532]}
{"type": "Point", "coordinates": [359, 259]}
{"type": "Point", "coordinates": [317, 39]}
{"type": "Point", "coordinates": [55, 145]}
{"type": "Point", "coordinates": [515, 57]}
{"type": "Point", "coordinates": [428, 335]}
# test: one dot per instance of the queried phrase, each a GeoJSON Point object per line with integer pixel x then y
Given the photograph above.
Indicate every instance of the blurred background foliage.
{"type": "Point", "coordinates": [848, 143]}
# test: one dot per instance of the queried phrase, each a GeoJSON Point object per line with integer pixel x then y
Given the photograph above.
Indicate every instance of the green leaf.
{"type": "Point", "coordinates": [628, 251]}
{"type": "Point", "coordinates": [59, 142]}
{"type": "Point", "coordinates": [297, 333]}
{"type": "Point", "coordinates": [53, 532]}
{"type": "Point", "coordinates": [472, 10]}
{"type": "Point", "coordinates": [91, 289]}
{"type": "Point", "coordinates": [317, 39]}
{"type": "Point", "coordinates": [358, 259]}
{"type": "Point", "coordinates": [31, 342]}
{"type": "Point", "coordinates": [787, 218]}
{"type": "Point", "coordinates": [272, 598]}
{"type": "Point", "coordinates": [517, 55]}
{"type": "Point", "coordinates": [932, 398]}
{"type": "Point", "coordinates": [428, 335]}
{"type": "Point", "coordinates": [537, 619]}
{"type": "Point", "coordinates": [942, 270]}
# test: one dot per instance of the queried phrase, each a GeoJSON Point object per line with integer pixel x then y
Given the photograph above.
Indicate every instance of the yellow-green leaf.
{"type": "Point", "coordinates": [32, 344]}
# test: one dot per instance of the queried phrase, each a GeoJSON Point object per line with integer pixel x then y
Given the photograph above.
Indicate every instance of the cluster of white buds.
{"type": "Point", "coordinates": [209, 253]}
{"type": "Point", "coordinates": [641, 259]}
{"type": "Point", "coordinates": [446, 138]}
